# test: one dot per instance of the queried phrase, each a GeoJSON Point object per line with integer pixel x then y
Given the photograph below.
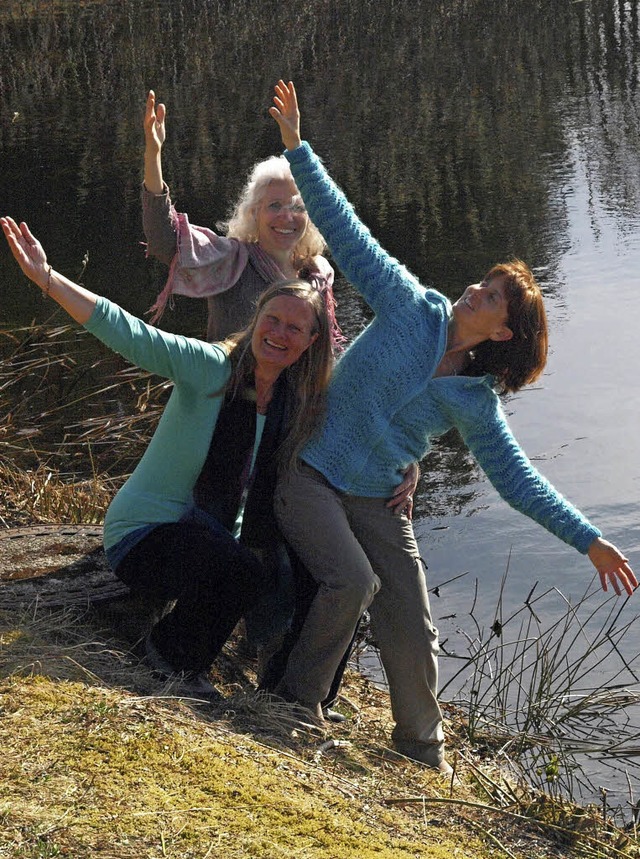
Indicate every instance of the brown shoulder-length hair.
{"type": "Point", "coordinates": [307, 380]}
{"type": "Point", "coordinates": [520, 360]}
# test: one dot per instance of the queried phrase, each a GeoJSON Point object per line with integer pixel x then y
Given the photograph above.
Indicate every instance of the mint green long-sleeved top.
{"type": "Point", "coordinates": [160, 488]}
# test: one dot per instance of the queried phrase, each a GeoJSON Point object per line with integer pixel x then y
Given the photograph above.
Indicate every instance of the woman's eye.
{"type": "Point", "coordinates": [274, 207]}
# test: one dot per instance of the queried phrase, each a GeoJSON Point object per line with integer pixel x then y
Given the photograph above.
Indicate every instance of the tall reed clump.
{"type": "Point", "coordinates": [44, 495]}
{"type": "Point", "coordinates": [551, 690]}
{"type": "Point", "coordinates": [74, 420]}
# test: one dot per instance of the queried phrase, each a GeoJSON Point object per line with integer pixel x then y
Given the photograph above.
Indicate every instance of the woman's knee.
{"type": "Point", "coordinates": [355, 589]}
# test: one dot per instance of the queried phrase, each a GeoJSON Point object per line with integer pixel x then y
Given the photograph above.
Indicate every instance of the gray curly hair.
{"type": "Point", "coordinates": [242, 222]}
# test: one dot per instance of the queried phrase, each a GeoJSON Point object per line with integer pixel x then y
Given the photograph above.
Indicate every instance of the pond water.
{"type": "Point", "coordinates": [465, 133]}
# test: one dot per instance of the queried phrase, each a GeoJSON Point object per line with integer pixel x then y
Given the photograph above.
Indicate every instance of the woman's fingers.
{"type": "Point", "coordinates": [624, 576]}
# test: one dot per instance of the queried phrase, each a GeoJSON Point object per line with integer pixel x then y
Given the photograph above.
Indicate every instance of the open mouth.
{"type": "Point", "coordinates": [283, 232]}
{"type": "Point", "coordinates": [273, 345]}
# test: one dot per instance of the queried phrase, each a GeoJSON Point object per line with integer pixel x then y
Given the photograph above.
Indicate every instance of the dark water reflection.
{"type": "Point", "coordinates": [444, 121]}
{"type": "Point", "coordinates": [464, 132]}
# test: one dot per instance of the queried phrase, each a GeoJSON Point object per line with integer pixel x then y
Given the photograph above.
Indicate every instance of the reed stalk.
{"type": "Point", "coordinates": [536, 691]}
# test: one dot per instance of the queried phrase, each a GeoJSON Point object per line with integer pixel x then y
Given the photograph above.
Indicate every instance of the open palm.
{"type": "Point", "coordinates": [286, 113]}
{"type": "Point", "coordinates": [27, 250]}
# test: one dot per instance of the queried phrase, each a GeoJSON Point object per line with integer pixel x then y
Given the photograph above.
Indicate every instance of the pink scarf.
{"type": "Point", "coordinates": [206, 264]}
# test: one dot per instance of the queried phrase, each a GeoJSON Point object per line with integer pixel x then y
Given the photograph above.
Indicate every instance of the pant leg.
{"type": "Point", "coordinates": [402, 626]}
{"type": "Point", "coordinates": [271, 617]}
{"type": "Point", "coordinates": [212, 578]}
{"type": "Point", "coordinates": [305, 592]}
{"type": "Point", "coordinates": [313, 520]}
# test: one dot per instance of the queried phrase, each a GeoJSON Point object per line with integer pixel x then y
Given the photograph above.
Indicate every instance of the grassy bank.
{"type": "Point", "coordinates": [101, 760]}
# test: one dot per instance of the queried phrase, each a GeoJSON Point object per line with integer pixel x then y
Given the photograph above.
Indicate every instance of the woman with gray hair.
{"type": "Point", "coordinates": [267, 237]}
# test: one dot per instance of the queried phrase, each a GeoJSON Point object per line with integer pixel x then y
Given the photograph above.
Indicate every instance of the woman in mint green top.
{"type": "Point", "coordinates": [421, 367]}
{"type": "Point", "coordinates": [238, 410]}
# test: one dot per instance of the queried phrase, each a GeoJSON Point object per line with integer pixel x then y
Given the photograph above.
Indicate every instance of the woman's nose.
{"type": "Point", "coordinates": [277, 329]}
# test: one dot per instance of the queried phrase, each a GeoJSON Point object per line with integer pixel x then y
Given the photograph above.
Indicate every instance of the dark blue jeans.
{"type": "Point", "coordinates": [213, 579]}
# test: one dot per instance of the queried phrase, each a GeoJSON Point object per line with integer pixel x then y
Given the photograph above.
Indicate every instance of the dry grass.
{"type": "Point", "coordinates": [67, 406]}
{"type": "Point", "coordinates": [100, 759]}
{"type": "Point", "coordinates": [42, 495]}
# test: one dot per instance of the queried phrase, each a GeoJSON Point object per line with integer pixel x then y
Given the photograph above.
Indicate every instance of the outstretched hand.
{"type": "Point", "coordinates": [612, 566]}
{"type": "Point", "coordinates": [27, 251]}
{"type": "Point", "coordinates": [154, 123]}
{"type": "Point", "coordinates": [286, 114]}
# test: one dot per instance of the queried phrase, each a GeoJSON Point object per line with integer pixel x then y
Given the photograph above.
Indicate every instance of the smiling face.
{"type": "Point", "coordinates": [281, 217]}
{"type": "Point", "coordinates": [482, 310]}
{"type": "Point", "coordinates": [284, 331]}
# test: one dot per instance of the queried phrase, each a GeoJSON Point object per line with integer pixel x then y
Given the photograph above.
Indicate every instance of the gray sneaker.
{"type": "Point", "coordinates": [193, 684]}
{"type": "Point", "coordinates": [197, 685]}
{"type": "Point", "coordinates": [333, 715]}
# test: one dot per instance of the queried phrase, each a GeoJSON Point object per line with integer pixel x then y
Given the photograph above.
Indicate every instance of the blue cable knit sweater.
{"type": "Point", "coordinates": [384, 404]}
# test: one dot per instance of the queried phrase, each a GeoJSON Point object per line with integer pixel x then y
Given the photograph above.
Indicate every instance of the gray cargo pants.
{"type": "Point", "coordinates": [362, 556]}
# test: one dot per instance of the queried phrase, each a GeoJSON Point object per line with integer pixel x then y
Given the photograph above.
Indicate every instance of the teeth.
{"type": "Point", "coordinates": [274, 345]}
{"type": "Point", "coordinates": [285, 232]}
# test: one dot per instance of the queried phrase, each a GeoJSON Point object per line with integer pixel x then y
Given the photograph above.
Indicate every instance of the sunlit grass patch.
{"type": "Point", "coordinates": [42, 494]}
{"type": "Point", "coordinates": [89, 772]}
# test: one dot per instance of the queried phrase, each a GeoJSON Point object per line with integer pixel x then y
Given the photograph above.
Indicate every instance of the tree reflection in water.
{"type": "Point", "coordinates": [449, 125]}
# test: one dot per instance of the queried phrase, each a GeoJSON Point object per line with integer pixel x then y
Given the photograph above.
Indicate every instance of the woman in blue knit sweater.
{"type": "Point", "coordinates": [420, 367]}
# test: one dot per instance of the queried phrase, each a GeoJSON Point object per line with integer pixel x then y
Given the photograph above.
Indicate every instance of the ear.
{"type": "Point", "coordinates": [502, 334]}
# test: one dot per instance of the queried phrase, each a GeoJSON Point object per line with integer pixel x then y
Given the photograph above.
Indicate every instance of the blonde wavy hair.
{"type": "Point", "coordinates": [242, 222]}
{"type": "Point", "coordinates": [307, 380]}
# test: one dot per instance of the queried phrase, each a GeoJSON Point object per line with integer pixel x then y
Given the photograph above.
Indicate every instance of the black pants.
{"type": "Point", "coordinates": [306, 589]}
{"type": "Point", "coordinates": [213, 579]}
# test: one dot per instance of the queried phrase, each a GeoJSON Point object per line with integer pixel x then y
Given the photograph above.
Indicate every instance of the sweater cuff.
{"type": "Point", "coordinates": [148, 197]}
{"type": "Point", "coordinates": [586, 539]}
{"type": "Point", "coordinates": [299, 154]}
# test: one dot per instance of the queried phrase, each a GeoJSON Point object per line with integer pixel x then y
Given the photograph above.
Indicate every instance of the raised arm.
{"type": "Point", "coordinates": [159, 220]}
{"type": "Point", "coordinates": [30, 256]}
{"type": "Point", "coordinates": [169, 355]}
{"type": "Point", "coordinates": [377, 276]}
{"type": "Point", "coordinates": [154, 136]}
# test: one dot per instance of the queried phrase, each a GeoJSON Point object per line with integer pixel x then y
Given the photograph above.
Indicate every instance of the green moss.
{"type": "Point", "coordinates": [92, 770]}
